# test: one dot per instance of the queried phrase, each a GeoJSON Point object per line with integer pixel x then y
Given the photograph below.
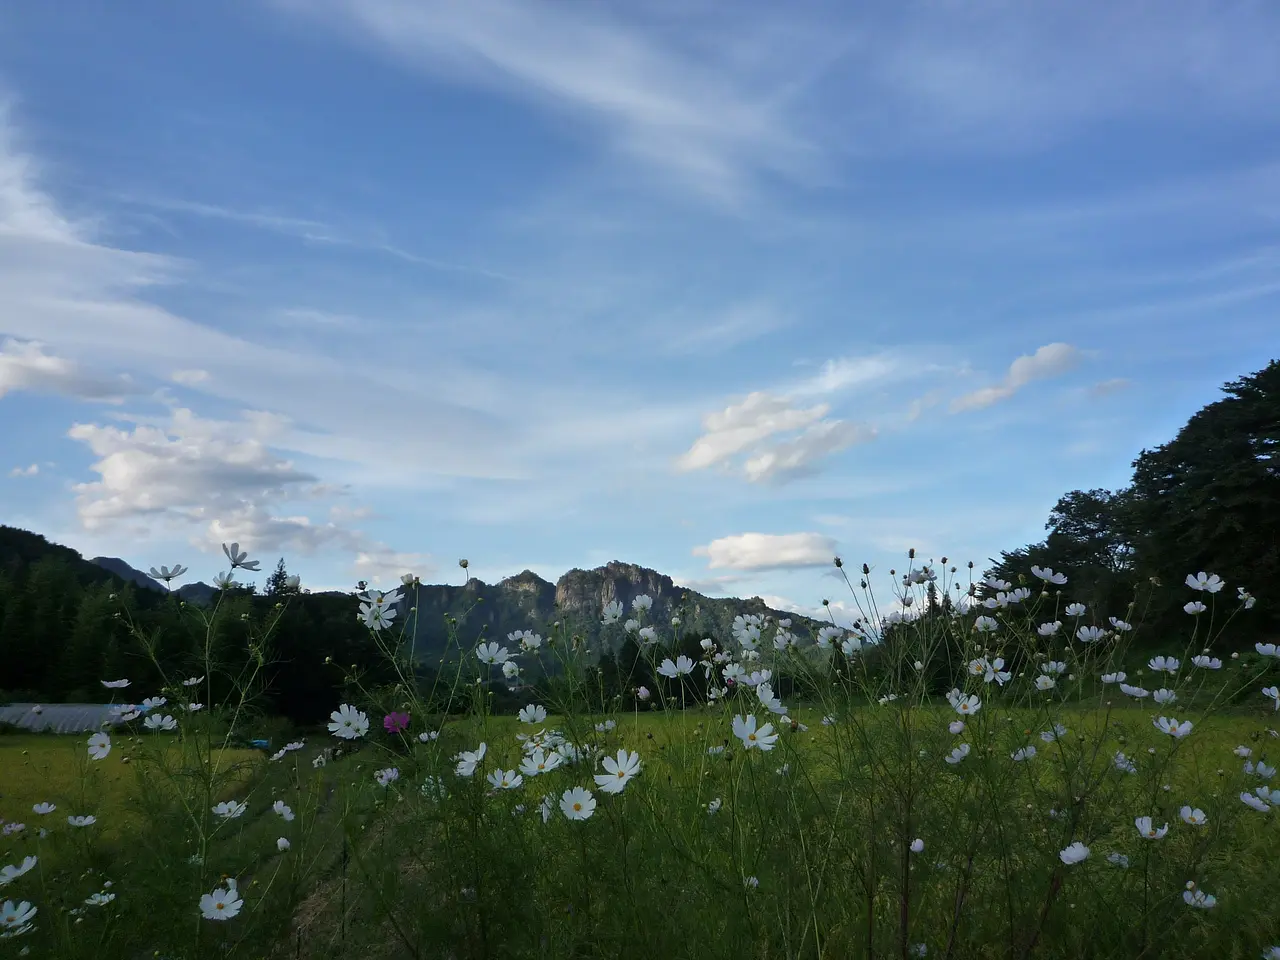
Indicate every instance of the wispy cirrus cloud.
{"type": "Point", "coordinates": [1051, 360]}
{"type": "Point", "coordinates": [714, 121]}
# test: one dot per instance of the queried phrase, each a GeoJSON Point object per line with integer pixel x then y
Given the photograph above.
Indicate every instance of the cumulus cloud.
{"type": "Point", "coordinates": [224, 479]}
{"type": "Point", "coordinates": [1051, 360]}
{"type": "Point", "coordinates": [25, 366]}
{"type": "Point", "coordinates": [764, 551]}
{"type": "Point", "coordinates": [191, 467]}
{"type": "Point", "coordinates": [30, 471]}
{"type": "Point", "coordinates": [745, 426]}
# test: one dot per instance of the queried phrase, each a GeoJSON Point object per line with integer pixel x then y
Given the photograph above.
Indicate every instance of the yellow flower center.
{"type": "Point", "coordinates": [577, 808]}
{"type": "Point", "coordinates": [219, 906]}
{"type": "Point", "coordinates": [751, 737]}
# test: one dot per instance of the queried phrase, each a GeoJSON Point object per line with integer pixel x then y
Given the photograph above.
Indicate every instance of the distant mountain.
{"type": "Point", "coordinates": [199, 593]}
{"type": "Point", "coordinates": [527, 602]}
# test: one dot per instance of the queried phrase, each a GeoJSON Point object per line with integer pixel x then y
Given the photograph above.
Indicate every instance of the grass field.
{"type": "Point", "coordinates": [665, 845]}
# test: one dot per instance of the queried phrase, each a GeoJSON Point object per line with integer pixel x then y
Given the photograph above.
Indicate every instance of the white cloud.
{"type": "Point", "coordinates": [742, 425]}
{"type": "Point", "coordinates": [763, 551]}
{"type": "Point", "coordinates": [746, 425]}
{"type": "Point", "coordinates": [189, 378]}
{"type": "Point", "coordinates": [30, 471]}
{"type": "Point", "coordinates": [27, 367]}
{"type": "Point", "coordinates": [1051, 360]}
{"type": "Point", "coordinates": [191, 468]}
{"type": "Point", "coordinates": [800, 455]}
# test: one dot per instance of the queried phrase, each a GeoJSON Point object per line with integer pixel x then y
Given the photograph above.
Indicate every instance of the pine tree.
{"type": "Point", "coordinates": [278, 583]}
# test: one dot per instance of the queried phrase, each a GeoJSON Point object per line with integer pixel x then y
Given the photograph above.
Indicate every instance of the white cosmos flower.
{"type": "Point", "coordinates": [9, 874]}
{"type": "Point", "coordinates": [1256, 802]}
{"type": "Point", "coordinates": [1045, 682]}
{"type": "Point", "coordinates": [764, 692]}
{"type": "Point", "coordinates": [223, 903]}
{"type": "Point", "coordinates": [577, 803]}
{"type": "Point", "coordinates": [1119, 625]}
{"type": "Point", "coordinates": [192, 681]}
{"type": "Point", "coordinates": [1210, 583]}
{"type": "Point", "coordinates": [1053, 667]}
{"type": "Point", "coordinates": [1206, 663]}
{"type": "Point", "coordinates": [115, 684]}
{"type": "Point", "coordinates": [642, 602]}
{"type": "Point", "coordinates": [680, 667]}
{"type": "Point", "coordinates": [230, 809]}
{"type": "Point", "coordinates": [966, 705]}
{"type": "Point", "coordinates": [282, 844]}
{"type": "Point", "coordinates": [1025, 753]}
{"type": "Point", "coordinates": [1165, 664]}
{"type": "Point", "coordinates": [1195, 608]}
{"type": "Point", "coordinates": [492, 654]}
{"type": "Point", "coordinates": [43, 808]}
{"type": "Point", "coordinates": [1164, 696]}
{"type": "Point", "coordinates": [956, 726]}
{"type": "Point", "coordinates": [1199, 899]}
{"type": "Point", "coordinates": [714, 806]}
{"type": "Point", "coordinates": [1123, 763]}
{"type": "Point", "coordinates": [1149, 830]}
{"type": "Point", "coordinates": [427, 736]}
{"type": "Point", "coordinates": [540, 762]}
{"type": "Point", "coordinates": [1090, 634]}
{"type": "Point", "coordinates": [99, 899]}
{"type": "Point", "coordinates": [1048, 576]}
{"type": "Point", "coordinates": [1075, 610]}
{"type": "Point", "coordinates": [620, 771]}
{"type": "Point", "coordinates": [1194, 816]}
{"type": "Point", "coordinates": [612, 612]}
{"type": "Point", "coordinates": [917, 845]}
{"type": "Point", "coordinates": [157, 722]}
{"type": "Point", "coordinates": [510, 669]}
{"type": "Point", "coordinates": [533, 713]}
{"type": "Point", "coordinates": [505, 779]}
{"type": "Point", "coordinates": [468, 760]}
{"type": "Point", "coordinates": [1132, 691]}
{"type": "Point", "coordinates": [1172, 727]}
{"type": "Point", "coordinates": [1049, 629]}
{"type": "Point", "coordinates": [282, 809]}
{"type": "Point", "coordinates": [985, 624]}
{"type": "Point", "coordinates": [88, 821]}
{"type": "Point", "coordinates": [526, 640]}
{"type": "Point", "coordinates": [1119, 859]}
{"type": "Point", "coordinates": [744, 728]}
{"type": "Point", "coordinates": [1242, 751]}
{"type": "Point", "coordinates": [631, 626]}
{"type": "Point", "coordinates": [15, 919]}
{"type": "Point", "coordinates": [1058, 731]}
{"type": "Point", "coordinates": [389, 775]}
{"type": "Point", "coordinates": [1273, 693]}
{"type": "Point", "coordinates": [1073, 853]}
{"type": "Point", "coordinates": [99, 746]}
{"type": "Point", "coordinates": [348, 723]}
{"type": "Point", "coordinates": [151, 703]}
{"type": "Point", "coordinates": [1117, 677]}
{"type": "Point", "coordinates": [958, 754]}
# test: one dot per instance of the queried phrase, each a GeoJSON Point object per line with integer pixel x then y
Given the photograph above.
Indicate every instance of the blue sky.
{"type": "Point", "coordinates": [720, 289]}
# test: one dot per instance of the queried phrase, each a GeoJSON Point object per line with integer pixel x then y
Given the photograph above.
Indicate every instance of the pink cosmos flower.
{"type": "Point", "coordinates": [395, 722]}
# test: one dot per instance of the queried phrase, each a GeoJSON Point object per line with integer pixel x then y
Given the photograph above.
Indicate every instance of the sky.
{"type": "Point", "coordinates": [725, 290]}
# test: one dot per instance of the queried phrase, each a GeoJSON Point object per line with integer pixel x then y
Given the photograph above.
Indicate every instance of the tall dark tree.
{"type": "Point", "coordinates": [1210, 498]}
